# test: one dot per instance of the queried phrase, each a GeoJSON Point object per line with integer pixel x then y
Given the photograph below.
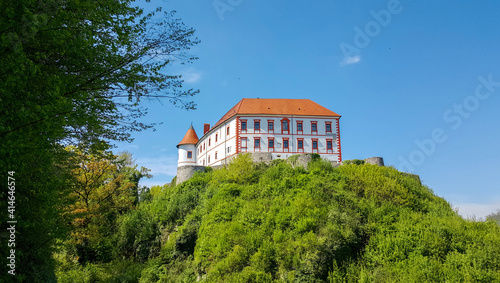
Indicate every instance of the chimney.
{"type": "Point", "coordinates": [206, 128]}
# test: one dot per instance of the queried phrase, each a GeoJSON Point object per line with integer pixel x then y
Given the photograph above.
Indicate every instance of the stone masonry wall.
{"type": "Point", "coordinates": [375, 161]}
{"type": "Point", "coordinates": [186, 172]}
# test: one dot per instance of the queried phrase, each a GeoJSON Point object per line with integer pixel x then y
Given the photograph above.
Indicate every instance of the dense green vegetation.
{"type": "Point", "coordinates": [283, 223]}
{"type": "Point", "coordinates": [73, 72]}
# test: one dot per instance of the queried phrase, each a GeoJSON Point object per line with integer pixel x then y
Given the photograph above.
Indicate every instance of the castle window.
{"type": "Point", "coordinates": [270, 125]}
{"type": "Point", "coordinates": [315, 144]}
{"type": "Point", "coordinates": [216, 137]}
{"type": "Point", "coordinates": [328, 127]}
{"type": "Point", "coordinates": [244, 143]}
{"type": "Point", "coordinates": [285, 126]}
{"type": "Point", "coordinates": [299, 126]}
{"type": "Point", "coordinates": [244, 125]}
{"type": "Point", "coordinates": [300, 144]}
{"type": "Point", "coordinates": [203, 162]}
{"type": "Point", "coordinates": [256, 125]}
{"type": "Point", "coordinates": [227, 131]}
{"type": "Point", "coordinates": [228, 149]}
{"type": "Point", "coordinates": [270, 142]}
{"type": "Point", "coordinates": [209, 141]}
{"type": "Point", "coordinates": [329, 144]}
{"type": "Point", "coordinates": [216, 155]}
{"type": "Point", "coordinates": [285, 143]}
{"type": "Point", "coordinates": [190, 154]}
{"type": "Point", "coordinates": [314, 127]}
{"type": "Point", "coordinates": [203, 146]}
{"type": "Point", "coordinates": [256, 143]}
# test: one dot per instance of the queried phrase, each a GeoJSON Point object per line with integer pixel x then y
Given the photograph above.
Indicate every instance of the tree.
{"type": "Point", "coordinates": [126, 165]}
{"type": "Point", "coordinates": [495, 216]}
{"type": "Point", "coordinates": [74, 72]}
{"type": "Point", "coordinates": [80, 68]}
{"type": "Point", "coordinates": [102, 188]}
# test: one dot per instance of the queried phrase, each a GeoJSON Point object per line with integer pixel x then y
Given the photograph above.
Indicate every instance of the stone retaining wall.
{"type": "Point", "coordinates": [186, 172]}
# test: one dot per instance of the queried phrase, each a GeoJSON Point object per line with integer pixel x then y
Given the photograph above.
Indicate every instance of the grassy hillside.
{"type": "Point", "coordinates": [279, 223]}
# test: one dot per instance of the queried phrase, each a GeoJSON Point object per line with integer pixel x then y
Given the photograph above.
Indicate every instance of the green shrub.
{"type": "Point", "coordinates": [285, 223]}
{"type": "Point", "coordinates": [354, 162]}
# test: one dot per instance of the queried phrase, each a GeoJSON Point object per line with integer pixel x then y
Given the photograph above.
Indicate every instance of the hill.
{"type": "Point", "coordinates": [283, 223]}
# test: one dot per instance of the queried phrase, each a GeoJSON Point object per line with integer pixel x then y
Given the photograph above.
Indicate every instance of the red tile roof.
{"type": "Point", "coordinates": [265, 106]}
{"type": "Point", "coordinates": [190, 137]}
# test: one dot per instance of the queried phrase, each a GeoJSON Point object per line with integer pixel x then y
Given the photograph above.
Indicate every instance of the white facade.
{"type": "Point", "coordinates": [289, 135]}
{"type": "Point", "coordinates": [269, 133]}
{"type": "Point", "coordinates": [187, 155]}
{"type": "Point", "coordinates": [217, 145]}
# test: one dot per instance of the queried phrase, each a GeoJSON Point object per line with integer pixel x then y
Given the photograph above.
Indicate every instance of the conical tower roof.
{"type": "Point", "coordinates": [190, 137]}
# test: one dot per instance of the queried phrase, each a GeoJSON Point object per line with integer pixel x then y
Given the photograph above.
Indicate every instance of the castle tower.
{"type": "Point", "coordinates": [187, 148]}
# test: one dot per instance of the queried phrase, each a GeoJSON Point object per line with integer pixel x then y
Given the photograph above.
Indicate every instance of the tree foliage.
{"type": "Point", "coordinates": [78, 69]}
{"type": "Point", "coordinates": [102, 187]}
{"type": "Point", "coordinates": [75, 72]}
{"type": "Point", "coordinates": [285, 223]}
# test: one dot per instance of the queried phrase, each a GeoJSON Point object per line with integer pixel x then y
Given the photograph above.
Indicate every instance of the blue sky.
{"type": "Point", "coordinates": [416, 82]}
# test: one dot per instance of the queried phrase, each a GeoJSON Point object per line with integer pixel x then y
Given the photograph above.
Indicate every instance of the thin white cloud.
{"type": "Point", "coordinates": [161, 165]}
{"type": "Point", "coordinates": [477, 211]}
{"type": "Point", "coordinates": [191, 76]}
{"type": "Point", "coordinates": [350, 60]}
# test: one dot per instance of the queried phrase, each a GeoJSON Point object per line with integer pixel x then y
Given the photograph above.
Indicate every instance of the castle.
{"type": "Point", "coordinates": [266, 128]}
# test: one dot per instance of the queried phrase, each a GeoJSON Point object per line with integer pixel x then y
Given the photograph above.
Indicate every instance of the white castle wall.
{"type": "Point", "coordinates": [218, 146]}
{"type": "Point", "coordinates": [183, 159]}
{"type": "Point", "coordinates": [293, 135]}
{"type": "Point", "coordinates": [217, 151]}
